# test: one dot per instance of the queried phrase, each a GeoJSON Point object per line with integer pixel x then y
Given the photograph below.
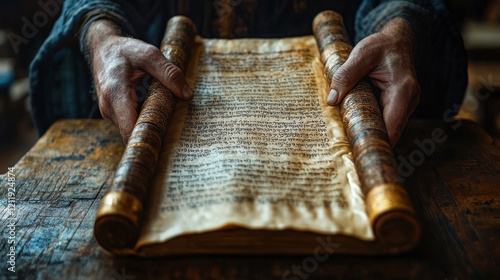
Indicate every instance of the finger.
{"type": "Point", "coordinates": [119, 107]}
{"type": "Point", "coordinates": [360, 62]}
{"type": "Point", "coordinates": [106, 109]}
{"type": "Point", "coordinates": [125, 113]}
{"type": "Point", "coordinates": [167, 73]}
{"type": "Point", "coordinates": [398, 102]}
{"type": "Point", "coordinates": [395, 121]}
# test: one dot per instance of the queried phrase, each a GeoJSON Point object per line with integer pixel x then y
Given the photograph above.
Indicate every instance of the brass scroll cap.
{"type": "Point", "coordinates": [392, 217]}
{"type": "Point", "coordinates": [117, 223]}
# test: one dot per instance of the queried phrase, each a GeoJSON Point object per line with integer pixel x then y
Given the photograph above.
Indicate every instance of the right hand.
{"type": "Point", "coordinates": [387, 57]}
{"type": "Point", "coordinates": [118, 65]}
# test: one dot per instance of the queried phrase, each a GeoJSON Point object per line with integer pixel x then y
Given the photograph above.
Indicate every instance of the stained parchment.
{"type": "Point", "coordinates": [256, 148]}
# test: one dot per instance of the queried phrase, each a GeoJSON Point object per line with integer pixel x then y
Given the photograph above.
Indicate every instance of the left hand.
{"type": "Point", "coordinates": [387, 58]}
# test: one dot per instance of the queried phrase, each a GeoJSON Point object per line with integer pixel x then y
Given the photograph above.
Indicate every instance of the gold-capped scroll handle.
{"type": "Point", "coordinates": [388, 206]}
{"type": "Point", "coordinates": [118, 220]}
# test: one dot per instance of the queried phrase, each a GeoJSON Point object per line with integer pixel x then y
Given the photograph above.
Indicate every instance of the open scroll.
{"type": "Point", "coordinates": [257, 162]}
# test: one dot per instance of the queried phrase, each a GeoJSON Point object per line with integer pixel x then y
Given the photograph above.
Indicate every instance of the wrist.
{"type": "Point", "coordinates": [399, 29]}
{"type": "Point", "coordinates": [98, 32]}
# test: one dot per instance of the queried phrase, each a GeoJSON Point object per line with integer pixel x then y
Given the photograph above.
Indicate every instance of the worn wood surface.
{"type": "Point", "coordinates": [455, 190]}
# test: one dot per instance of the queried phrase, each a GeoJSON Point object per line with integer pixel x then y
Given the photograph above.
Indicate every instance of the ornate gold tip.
{"type": "Point", "coordinates": [117, 223]}
{"type": "Point", "coordinates": [392, 217]}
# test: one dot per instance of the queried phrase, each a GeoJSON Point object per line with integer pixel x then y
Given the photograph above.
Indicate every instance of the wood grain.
{"type": "Point", "coordinates": [63, 178]}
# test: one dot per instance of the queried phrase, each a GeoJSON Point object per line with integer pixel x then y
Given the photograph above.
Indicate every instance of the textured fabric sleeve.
{"type": "Point", "coordinates": [441, 61]}
{"type": "Point", "coordinates": [60, 82]}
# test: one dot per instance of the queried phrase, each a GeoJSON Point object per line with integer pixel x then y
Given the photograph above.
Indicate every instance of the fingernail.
{"type": "Point", "coordinates": [332, 97]}
{"type": "Point", "coordinates": [187, 92]}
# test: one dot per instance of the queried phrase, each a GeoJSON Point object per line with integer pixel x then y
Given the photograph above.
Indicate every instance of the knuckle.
{"type": "Point", "coordinates": [105, 93]}
{"type": "Point", "coordinates": [370, 47]}
{"type": "Point", "coordinates": [147, 54]}
{"type": "Point", "coordinates": [106, 96]}
{"type": "Point", "coordinates": [363, 48]}
{"type": "Point", "coordinates": [413, 87]}
{"type": "Point", "coordinates": [151, 51]}
{"type": "Point", "coordinates": [105, 109]}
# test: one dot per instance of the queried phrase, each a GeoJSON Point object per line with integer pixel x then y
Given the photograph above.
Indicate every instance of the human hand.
{"type": "Point", "coordinates": [118, 65]}
{"type": "Point", "coordinates": [387, 58]}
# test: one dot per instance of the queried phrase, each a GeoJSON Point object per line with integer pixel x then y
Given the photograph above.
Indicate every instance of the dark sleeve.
{"type": "Point", "coordinates": [441, 61]}
{"type": "Point", "coordinates": [60, 81]}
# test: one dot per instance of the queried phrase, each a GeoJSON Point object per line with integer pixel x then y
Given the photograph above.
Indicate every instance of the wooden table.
{"type": "Point", "coordinates": [60, 182]}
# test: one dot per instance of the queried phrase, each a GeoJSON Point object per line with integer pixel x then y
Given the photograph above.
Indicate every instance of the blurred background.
{"type": "Point", "coordinates": [479, 21]}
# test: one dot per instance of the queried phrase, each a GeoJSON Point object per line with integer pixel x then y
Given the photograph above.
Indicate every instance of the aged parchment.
{"type": "Point", "coordinates": [256, 148]}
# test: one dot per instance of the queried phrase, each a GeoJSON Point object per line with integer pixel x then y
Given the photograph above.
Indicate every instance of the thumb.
{"type": "Point", "coordinates": [167, 73]}
{"type": "Point", "coordinates": [358, 65]}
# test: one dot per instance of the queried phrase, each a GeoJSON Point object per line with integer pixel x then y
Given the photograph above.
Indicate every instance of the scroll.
{"type": "Point", "coordinates": [119, 217]}
{"type": "Point", "coordinates": [388, 205]}
{"type": "Point", "coordinates": [257, 161]}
